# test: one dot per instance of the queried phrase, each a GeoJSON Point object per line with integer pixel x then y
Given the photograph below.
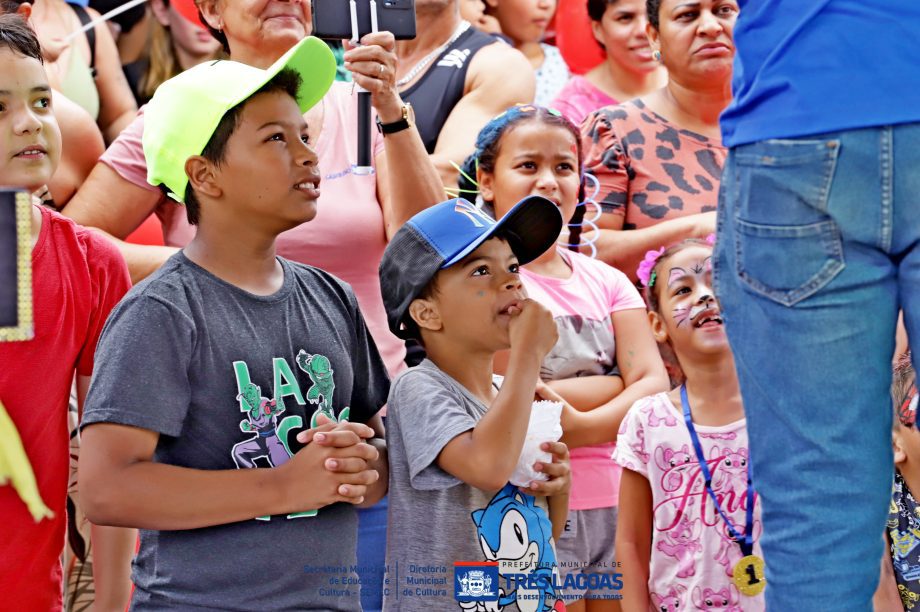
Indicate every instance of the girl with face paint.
{"type": "Point", "coordinates": [689, 525]}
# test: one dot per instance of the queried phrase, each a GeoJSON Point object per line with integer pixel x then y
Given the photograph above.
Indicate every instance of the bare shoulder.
{"type": "Point", "coordinates": [77, 125]}
{"type": "Point", "coordinates": [498, 62]}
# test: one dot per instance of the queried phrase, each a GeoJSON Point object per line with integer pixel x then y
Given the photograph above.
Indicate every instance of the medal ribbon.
{"type": "Point", "coordinates": [746, 542]}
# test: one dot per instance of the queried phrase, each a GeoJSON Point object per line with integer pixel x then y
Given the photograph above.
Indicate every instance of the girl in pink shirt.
{"type": "Point", "coordinates": [689, 527]}
{"type": "Point", "coordinates": [605, 355]}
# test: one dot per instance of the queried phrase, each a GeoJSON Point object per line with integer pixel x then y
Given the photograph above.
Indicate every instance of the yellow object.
{"type": "Point", "coordinates": [15, 466]}
{"type": "Point", "coordinates": [748, 575]}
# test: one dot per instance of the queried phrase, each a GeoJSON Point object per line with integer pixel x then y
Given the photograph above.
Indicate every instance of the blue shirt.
{"type": "Point", "coordinates": [810, 66]}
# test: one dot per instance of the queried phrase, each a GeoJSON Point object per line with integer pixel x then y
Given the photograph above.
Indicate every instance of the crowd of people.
{"type": "Point", "coordinates": [586, 338]}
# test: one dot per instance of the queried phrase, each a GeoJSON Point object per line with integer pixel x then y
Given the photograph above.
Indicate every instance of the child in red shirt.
{"type": "Point", "coordinates": [77, 277]}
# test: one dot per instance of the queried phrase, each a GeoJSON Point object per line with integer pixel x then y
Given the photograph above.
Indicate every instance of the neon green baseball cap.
{"type": "Point", "coordinates": [185, 110]}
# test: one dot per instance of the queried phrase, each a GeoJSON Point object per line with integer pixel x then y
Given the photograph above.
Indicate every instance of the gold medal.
{"type": "Point", "coordinates": [748, 576]}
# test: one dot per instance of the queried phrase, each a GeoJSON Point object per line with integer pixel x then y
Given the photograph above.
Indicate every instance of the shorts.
{"type": "Point", "coordinates": [586, 547]}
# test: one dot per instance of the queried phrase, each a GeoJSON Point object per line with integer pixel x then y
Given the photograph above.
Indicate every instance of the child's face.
{"type": "Point", "coordinates": [473, 296]}
{"type": "Point", "coordinates": [907, 446]}
{"type": "Point", "coordinates": [30, 144]}
{"type": "Point", "coordinates": [689, 315]}
{"type": "Point", "coordinates": [534, 159]}
{"type": "Point", "coordinates": [269, 175]}
{"type": "Point", "coordinates": [524, 21]}
{"type": "Point", "coordinates": [472, 10]}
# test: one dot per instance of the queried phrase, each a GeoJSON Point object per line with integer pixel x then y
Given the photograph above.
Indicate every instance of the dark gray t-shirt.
{"type": "Point", "coordinates": [436, 520]}
{"type": "Point", "coordinates": [227, 379]}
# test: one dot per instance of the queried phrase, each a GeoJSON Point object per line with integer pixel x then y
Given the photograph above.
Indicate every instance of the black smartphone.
{"type": "Point", "coordinates": [15, 265]}
{"type": "Point", "coordinates": [332, 19]}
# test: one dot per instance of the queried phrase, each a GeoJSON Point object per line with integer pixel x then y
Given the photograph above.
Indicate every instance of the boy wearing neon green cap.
{"type": "Point", "coordinates": [229, 358]}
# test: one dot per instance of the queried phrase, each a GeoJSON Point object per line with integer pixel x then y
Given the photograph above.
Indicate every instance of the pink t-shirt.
{"type": "Point", "coordinates": [346, 238]}
{"type": "Point", "coordinates": [579, 98]}
{"type": "Point", "coordinates": [581, 306]}
{"type": "Point", "coordinates": [692, 557]}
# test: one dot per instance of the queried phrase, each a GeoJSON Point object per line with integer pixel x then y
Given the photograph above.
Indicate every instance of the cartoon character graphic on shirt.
{"type": "Point", "coordinates": [683, 543]}
{"type": "Point", "coordinates": [262, 420]}
{"type": "Point", "coordinates": [670, 601]}
{"type": "Point", "coordinates": [902, 544]}
{"type": "Point", "coordinates": [262, 414]}
{"type": "Point", "coordinates": [729, 552]}
{"type": "Point", "coordinates": [675, 464]}
{"type": "Point", "coordinates": [576, 352]}
{"type": "Point", "coordinates": [517, 534]}
{"type": "Point", "coordinates": [729, 467]}
{"type": "Point", "coordinates": [726, 599]}
{"type": "Point", "coordinates": [319, 369]}
{"type": "Point", "coordinates": [658, 413]}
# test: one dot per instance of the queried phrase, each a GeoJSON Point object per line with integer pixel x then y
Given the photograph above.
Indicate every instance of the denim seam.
{"type": "Point", "coordinates": [825, 231]}
{"type": "Point", "coordinates": [887, 189]}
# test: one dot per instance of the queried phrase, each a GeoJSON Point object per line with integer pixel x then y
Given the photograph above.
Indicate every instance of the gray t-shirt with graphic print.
{"type": "Point", "coordinates": [227, 378]}
{"type": "Point", "coordinates": [436, 520]}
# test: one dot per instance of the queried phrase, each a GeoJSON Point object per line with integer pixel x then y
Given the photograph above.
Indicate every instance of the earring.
{"type": "Point", "coordinates": [656, 55]}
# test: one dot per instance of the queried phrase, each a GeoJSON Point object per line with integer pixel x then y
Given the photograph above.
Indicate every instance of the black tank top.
{"type": "Point", "coordinates": [436, 93]}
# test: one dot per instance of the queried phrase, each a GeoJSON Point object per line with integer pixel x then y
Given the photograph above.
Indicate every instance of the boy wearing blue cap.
{"type": "Point", "coordinates": [219, 361]}
{"type": "Point", "coordinates": [450, 278]}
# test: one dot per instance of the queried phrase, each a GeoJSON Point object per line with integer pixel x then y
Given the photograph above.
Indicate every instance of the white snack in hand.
{"type": "Point", "coordinates": [545, 426]}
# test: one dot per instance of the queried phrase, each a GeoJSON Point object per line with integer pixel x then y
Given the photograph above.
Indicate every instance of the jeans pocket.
{"type": "Point", "coordinates": [787, 246]}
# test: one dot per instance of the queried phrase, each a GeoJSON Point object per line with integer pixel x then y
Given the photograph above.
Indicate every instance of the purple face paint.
{"type": "Point", "coordinates": [675, 275]}
{"type": "Point", "coordinates": [699, 270]}
{"type": "Point", "coordinates": [680, 315]}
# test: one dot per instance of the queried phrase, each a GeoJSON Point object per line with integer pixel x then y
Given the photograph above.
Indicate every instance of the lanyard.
{"type": "Point", "coordinates": [746, 542]}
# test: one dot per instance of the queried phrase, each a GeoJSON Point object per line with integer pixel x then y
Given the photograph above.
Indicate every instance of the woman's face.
{"type": "Point", "coordinates": [622, 32]}
{"type": "Point", "coordinates": [263, 27]}
{"type": "Point", "coordinates": [189, 38]}
{"type": "Point", "coordinates": [695, 40]}
{"type": "Point", "coordinates": [534, 159]}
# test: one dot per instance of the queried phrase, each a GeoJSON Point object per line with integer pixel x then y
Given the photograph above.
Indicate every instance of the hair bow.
{"type": "Point", "coordinates": [645, 271]}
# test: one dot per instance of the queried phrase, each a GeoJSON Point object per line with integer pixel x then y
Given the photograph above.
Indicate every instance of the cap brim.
{"type": "Point", "coordinates": [169, 142]}
{"type": "Point", "coordinates": [535, 222]}
{"type": "Point", "coordinates": [312, 60]}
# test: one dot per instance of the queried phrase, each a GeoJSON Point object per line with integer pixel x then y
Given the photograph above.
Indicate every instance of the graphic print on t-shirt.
{"type": "Point", "coordinates": [268, 445]}
{"type": "Point", "coordinates": [517, 534]}
{"type": "Point", "coordinates": [585, 347]}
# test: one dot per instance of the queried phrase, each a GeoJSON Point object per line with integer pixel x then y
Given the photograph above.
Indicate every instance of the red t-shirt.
{"type": "Point", "coordinates": [77, 278]}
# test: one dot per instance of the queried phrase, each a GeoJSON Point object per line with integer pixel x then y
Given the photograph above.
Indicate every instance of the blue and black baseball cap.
{"type": "Point", "coordinates": [442, 235]}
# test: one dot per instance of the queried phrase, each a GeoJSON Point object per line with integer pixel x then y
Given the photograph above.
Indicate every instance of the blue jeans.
{"type": "Point", "coordinates": [818, 247]}
{"type": "Point", "coordinates": [371, 553]}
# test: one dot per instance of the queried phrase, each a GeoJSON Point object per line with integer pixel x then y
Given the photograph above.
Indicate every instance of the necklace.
{"type": "Point", "coordinates": [748, 573]}
{"type": "Point", "coordinates": [463, 27]}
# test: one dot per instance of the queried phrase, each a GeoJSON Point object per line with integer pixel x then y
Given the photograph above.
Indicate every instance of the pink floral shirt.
{"type": "Point", "coordinates": [692, 556]}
